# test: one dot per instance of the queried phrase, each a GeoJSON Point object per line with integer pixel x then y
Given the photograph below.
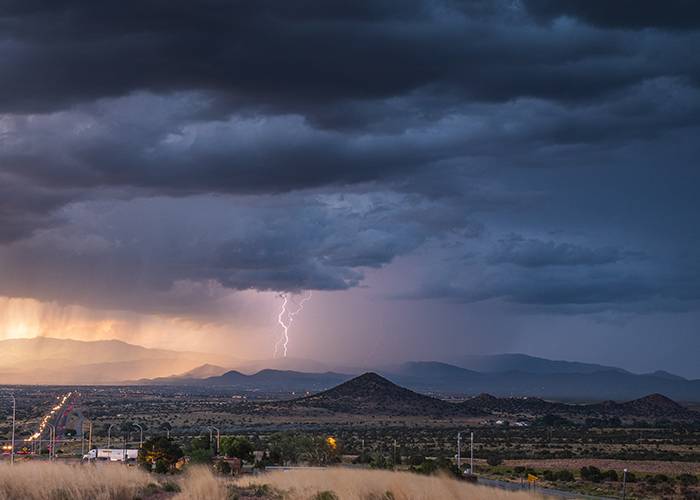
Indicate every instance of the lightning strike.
{"type": "Point", "coordinates": [285, 318]}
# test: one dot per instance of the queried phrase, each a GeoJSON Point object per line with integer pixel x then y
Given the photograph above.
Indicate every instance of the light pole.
{"type": "Point", "coordinates": [52, 441]}
{"type": "Point", "coordinates": [14, 415]}
{"type": "Point", "coordinates": [141, 435]}
{"type": "Point", "coordinates": [459, 451]}
{"type": "Point", "coordinates": [471, 453]}
{"type": "Point", "coordinates": [82, 435]}
{"type": "Point", "coordinates": [109, 435]}
{"type": "Point", "coordinates": [624, 483]}
{"type": "Point", "coordinates": [218, 437]}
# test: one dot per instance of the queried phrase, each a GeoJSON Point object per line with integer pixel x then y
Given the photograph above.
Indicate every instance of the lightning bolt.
{"type": "Point", "coordinates": [285, 318]}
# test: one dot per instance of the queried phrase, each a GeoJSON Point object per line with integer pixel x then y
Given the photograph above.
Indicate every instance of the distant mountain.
{"type": "Point", "coordinates": [666, 375]}
{"type": "Point", "coordinates": [264, 380]}
{"type": "Point", "coordinates": [371, 394]}
{"type": "Point", "coordinates": [653, 406]}
{"type": "Point", "coordinates": [498, 363]}
{"type": "Point", "coordinates": [204, 371]}
{"type": "Point", "coordinates": [283, 364]}
{"type": "Point", "coordinates": [594, 386]}
{"type": "Point", "coordinates": [278, 380]}
{"type": "Point", "coordinates": [434, 377]}
{"type": "Point", "coordinates": [44, 360]}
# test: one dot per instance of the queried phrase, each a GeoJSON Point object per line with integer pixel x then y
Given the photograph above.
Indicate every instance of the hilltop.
{"type": "Point", "coordinates": [372, 394]}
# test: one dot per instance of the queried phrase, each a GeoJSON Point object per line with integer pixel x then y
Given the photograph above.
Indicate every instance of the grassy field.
{"type": "Point", "coordinates": [43, 481]}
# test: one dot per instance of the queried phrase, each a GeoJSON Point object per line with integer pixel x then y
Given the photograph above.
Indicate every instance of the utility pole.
{"type": "Point", "coordinates": [394, 453]}
{"type": "Point", "coordinates": [52, 441]}
{"type": "Point", "coordinates": [471, 453]}
{"type": "Point", "coordinates": [90, 436]}
{"type": "Point", "coordinates": [14, 415]}
{"type": "Point", "coordinates": [218, 438]}
{"type": "Point", "coordinates": [141, 435]}
{"type": "Point", "coordinates": [459, 451]}
{"type": "Point", "coordinates": [109, 435]}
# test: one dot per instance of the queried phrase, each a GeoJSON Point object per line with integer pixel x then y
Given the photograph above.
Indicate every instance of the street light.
{"type": "Point", "coordinates": [471, 453]}
{"type": "Point", "coordinates": [14, 414]}
{"type": "Point", "coordinates": [459, 452]}
{"type": "Point", "coordinates": [141, 436]}
{"type": "Point", "coordinates": [82, 435]}
{"type": "Point", "coordinates": [218, 438]}
{"type": "Point", "coordinates": [109, 436]}
{"type": "Point", "coordinates": [52, 440]}
{"type": "Point", "coordinates": [624, 483]}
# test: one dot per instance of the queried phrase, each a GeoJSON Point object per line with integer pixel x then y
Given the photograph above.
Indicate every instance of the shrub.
{"type": "Point", "coordinates": [687, 479]}
{"type": "Point", "coordinates": [325, 495]}
{"type": "Point", "coordinates": [610, 475]}
{"type": "Point", "coordinates": [591, 473]}
{"type": "Point", "coordinates": [494, 460]}
{"type": "Point", "coordinates": [658, 479]}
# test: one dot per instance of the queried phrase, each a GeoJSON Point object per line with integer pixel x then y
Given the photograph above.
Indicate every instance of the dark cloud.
{"type": "Point", "coordinates": [532, 252]}
{"type": "Point", "coordinates": [315, 55]}
{"type": "Point", "coordinates": [147, 253]}
{"type": "Point", "coordinates": [148, 149]}
{"type": "Point", "coordinates": [626, 14]}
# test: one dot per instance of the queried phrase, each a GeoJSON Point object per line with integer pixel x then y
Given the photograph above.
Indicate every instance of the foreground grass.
{"type": "Point", "coordinates": [44, 481]}
{"type": "Point", "coordinates": [362, 484]}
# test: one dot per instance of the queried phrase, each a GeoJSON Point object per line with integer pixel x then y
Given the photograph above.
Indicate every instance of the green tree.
{"type": "Point", "coordinates": [237, 446]}
{"type": "Point", "coordinates": [162, 452]}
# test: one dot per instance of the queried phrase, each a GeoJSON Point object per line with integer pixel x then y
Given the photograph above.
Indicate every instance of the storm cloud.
{"type": "Point", "coordinates": [541, 155]}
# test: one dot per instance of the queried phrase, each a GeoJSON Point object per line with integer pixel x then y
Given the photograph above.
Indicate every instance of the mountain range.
{"type": "Point", "coordinates": [372, 394]}
{"type": "Point", "coordinates": [72, 362]}
{"type": "Point", "coordinates": [45, 360]}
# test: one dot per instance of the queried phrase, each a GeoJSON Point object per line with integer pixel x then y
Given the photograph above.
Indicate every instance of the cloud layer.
{"type": "Point", "coordinates": [535, 152]}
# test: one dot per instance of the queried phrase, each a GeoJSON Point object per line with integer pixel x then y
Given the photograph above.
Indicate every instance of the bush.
{"type": "Point", "coordinates": [171, 487]}
{"type": "Point", "coordinates": [325, 495]}
{"type": "Point", "coordinates": [610, 475]}
{"type": "Point", "coordinates": [494, 460]}
{"type": "Point", "coordinates": [162, 466]}
{"type": "Point", "coordinates": [591, 473]}
{"type": "Point", "coordinates": [658, 479]}
{"type": "Point", "coordinates": [688, 479]}
{"type": "Point", "coordinates": [222, 467]}
{"type": "Point", "coordinates": [559, 475]}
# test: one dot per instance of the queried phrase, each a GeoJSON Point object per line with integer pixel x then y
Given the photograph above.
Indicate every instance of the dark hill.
{"type": "Point", "coordinates": [372, 394]}
{"type": "Point", "coordinates": [278, 380]}
{"type": "Point", "coordinates": [654, 406]}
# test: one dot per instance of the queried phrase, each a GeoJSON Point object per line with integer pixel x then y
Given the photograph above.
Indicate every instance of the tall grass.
{"type": "Point", "coordinates": [354, 484]}
{"type": "Point", "coordinates": [45, 481]}
{"type": "Point", "coordinates": [200, 484]}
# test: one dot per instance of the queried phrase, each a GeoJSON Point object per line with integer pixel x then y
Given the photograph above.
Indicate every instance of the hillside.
{"type": "Point", "coordinates": [371, 394]}
{"type": "Point", "coordinates": [653, 406]}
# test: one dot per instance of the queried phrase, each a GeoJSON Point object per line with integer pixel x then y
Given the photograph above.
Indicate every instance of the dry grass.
{"type": "Point", "coordinates": [43, 481]}
{"type": "Point", "coordinates": [200, 484]}
{"type": "Point", "coordinates": [649, 466]}
{"type": "Point", "coordinates": [351, 484]}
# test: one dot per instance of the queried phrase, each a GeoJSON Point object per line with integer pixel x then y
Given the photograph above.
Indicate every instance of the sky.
{"type": "Point", "coordinates": [443, 177]}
